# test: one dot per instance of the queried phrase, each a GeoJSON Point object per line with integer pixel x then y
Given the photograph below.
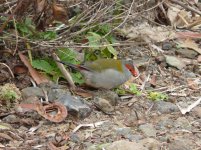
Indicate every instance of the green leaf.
{"type": "Point", "coordinates": [95, 35]}
{"type": "Point", "coordinates": [157, 96]}
{"type": "Point", "coordinates": [120, 91]}
{"type": "Point", "coordinates": [43, 65]}
{"type": "Point", "coordinates": [77, 77]}
{"type": "Point", "coordinates": [133, 89]}
{"type": "Point", "coordinates": [112, 50]}
{"type": "Point", "coordinates": [68, 55]}
{"type": "Point", "coordinates": [105, 53]}
{"type": "Point", "coordinates": [56, 76]}
{"type": "Point", "coordinates": [94, 39]}
{"type": "Point", "coordinates": [28, 22]}
{"type": "Point", "coordinates": [48, 35]}
{"type": "Point", "coordinates": [24, 29]}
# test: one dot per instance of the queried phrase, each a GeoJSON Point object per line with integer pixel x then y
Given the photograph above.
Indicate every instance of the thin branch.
{"type": "Point", "coordinates": [16, 33]}
{"type": "Point", "coordinates": [8, 69]}
{"type": "Point", "coordinates": [186, 7]}
{"type": "Point", "coordinates": [64, 71]}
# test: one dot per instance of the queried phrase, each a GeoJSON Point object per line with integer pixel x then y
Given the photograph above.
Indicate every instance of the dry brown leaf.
{"type": "Point", "coordinates": [5, 137]}
{"type": "Point", "coordinates": [153, 80]}
{"type": "Point", "coordinates": [38, 78]}
{"type": "Point", "coordinates": [148, 33]}
{"type": "Point", "coordinates": [20, 69]}
{"type": "Point", "coordinates": [190, 35]}
{"type": "Point", "coordinates": [59, 13]}
{"type": "Point", "coordinates": [172, 14]}
{"type": "Point", "coordinates": [192, 84]}
{"type": "Point", "coordinates": [189, 43]}
{"type": "Point", "coordinates": [40, 5]}
{"type": "Point", "coordinates": [83, 93]}
{"type": "Point", "coordinates": [199, 59]}
{"type": "Point", "coordinates": [61, 111]}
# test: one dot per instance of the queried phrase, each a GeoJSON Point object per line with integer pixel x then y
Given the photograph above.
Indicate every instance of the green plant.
{"type": "Point", "coordinates": [156, 96]}
{"type": "Point", "coordinates": [99, 47]}
{"type": "Point", "coordinates": [99, 42]}
{"type": "Point", "coordinates": [27, 29]}
{"type": "Point", "coordinates": [49, 66]}
{"type": "Point", "coordinates": [132, 89]}
{"type": "Point", "coordinates": [9, 92]}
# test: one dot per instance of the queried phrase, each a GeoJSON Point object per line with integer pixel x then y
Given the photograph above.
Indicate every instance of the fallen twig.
{"type": "Point", "coordinates": [8, 69]}
{"type": "Point", "coordinates": [190, 107]}
{"type": "Point", "coordinates": [64, 71]}
{"type": "Point", "coordinates": [92, 125]}
{"type": "Point", "coordinates": [186, 7]}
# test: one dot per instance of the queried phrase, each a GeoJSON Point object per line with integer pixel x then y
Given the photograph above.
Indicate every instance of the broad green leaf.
{"type": "Point", "coordinates": [68, 55]}
{"type": "Point", "coordinates": [43, 65]}
{"type": "Point", "coordinates": [95, 35]}
{"type": "Point", "coordinates": [77, 77]}
{"type": "Point", "coordinates": [48, 35]}
{"type": "Point", "coordinates": [106, 53]}
{"type": "Point", "coordinates": [112, 50]}
{"type": "Point", "coordinates": [133, 89]}
{"type": "Point", "coordinates": [157, 96]}
{"type": "Point", "coordinates": [94, 39]}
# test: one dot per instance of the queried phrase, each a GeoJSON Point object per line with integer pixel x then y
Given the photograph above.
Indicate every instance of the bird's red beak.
{"type": "Point", "coordinates": [133, 69]}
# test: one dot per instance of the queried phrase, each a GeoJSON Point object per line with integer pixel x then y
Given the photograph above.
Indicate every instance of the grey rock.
{"type": "Point", "coordinates": [123, 131]}
{"type": "Point", "coordinates": [97, 146]}
{"type": "Point", "coordinates": [165, 123]}
{"type": "Point", "coordinates": [174, 62]}
{"type": "Point", "coordinates": [182, 123]}
{"type": "Point", "coordinates": [108, 95]}
{"type": "Point", "coordinates": [190, 75]}
{"type": "Point", "coordinates": [167, 46]}
{"type": "Point", "coordinates": [166, 107]}
{"type": "Point", "coordinates": [187, 53]}
{"type": "Point", "coordinates": [103, 105]}
{"type": "Point", "coordinates": [75, 106]}
{"type": "Point", "coordinates": [11, 119]}
{"type": "Point", "coordinates": [54, 93]}
{"type": "Point", "coordinates": [150, 143]}
{"type": "Point", "coordinates": [148, 130]}
{"type": "Point", "coordinates": [32, 91]}
{"type": "Point", "coordinates": [179, 144]}
{"type": "Point", "coordinates": [197, 111]}
{"type": "Point", "coordinates": [127, 134]}
{"type": "Point", "coordinates": [74, 138]}
{"type": "Point", "coordinates": [125, 145]}
{"type": "Point", "coordinates": [134, 137]}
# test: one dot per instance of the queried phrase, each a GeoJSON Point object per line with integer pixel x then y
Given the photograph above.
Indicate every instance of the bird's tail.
{"type": "Point", "coordinates": [76, 67]}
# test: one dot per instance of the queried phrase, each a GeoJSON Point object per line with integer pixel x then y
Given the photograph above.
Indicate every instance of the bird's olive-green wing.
{"type": "Point", "coordinates": [103, 64]}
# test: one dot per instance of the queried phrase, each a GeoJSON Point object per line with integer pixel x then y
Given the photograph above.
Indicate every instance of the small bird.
{"type": "Point", "coordinates": [105, 73]}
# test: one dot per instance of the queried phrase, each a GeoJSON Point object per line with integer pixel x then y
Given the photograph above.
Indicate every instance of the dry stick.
{"type": "Point", "coordinates": [10, 17]}
{"type": "Point", "coordinates": [81, 16]}
{"type": "Point", "coordinates": [8, 69]}
{"type": "Point", "coordinates": [93, 16]}
{"type": "Point", "coordinates": [16, 34]}
{"type": "Point", "coordinates": [124, 21]}
{"type": "Point", "coordinates": [64, 71]}
{"type": "Point", "coordinates": [186, 6]}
